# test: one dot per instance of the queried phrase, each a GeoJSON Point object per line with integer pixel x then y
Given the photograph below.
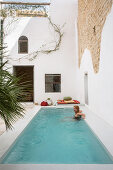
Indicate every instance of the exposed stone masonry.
{"type": "Point", "coordinates": [91, 18]}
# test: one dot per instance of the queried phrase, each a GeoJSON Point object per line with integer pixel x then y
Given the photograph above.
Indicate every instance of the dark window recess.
{"type": "Point", "coordinates": [23, 45]}
{"type": "Point", "coordinates": [52, 83]}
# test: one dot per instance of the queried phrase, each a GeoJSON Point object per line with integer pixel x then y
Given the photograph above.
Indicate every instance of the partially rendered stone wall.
{"type": "Point", "coordinates": [91, 18]}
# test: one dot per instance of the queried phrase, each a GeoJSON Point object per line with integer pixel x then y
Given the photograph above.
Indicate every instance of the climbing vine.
{"type": "Point", "coordinates": [42, 49]}
{"type": "Point", "coordinates": [12, 11]}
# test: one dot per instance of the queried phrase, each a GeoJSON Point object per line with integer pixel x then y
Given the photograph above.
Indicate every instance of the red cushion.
{"type": "Point", "coordinates": [76, 101]}
{"type": "Point", "coordinates": [61, 102]}
{"type": "Point", "coordinates": [44, 103]}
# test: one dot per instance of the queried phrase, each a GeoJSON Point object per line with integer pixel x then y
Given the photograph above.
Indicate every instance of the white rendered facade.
{"type": "Point", "coordinates": [65, 60]}
{"type": "Point", "coordinates": [39, 31]}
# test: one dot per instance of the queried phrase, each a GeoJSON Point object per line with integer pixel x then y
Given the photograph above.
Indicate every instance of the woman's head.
{"type": "Point", "coordinates": [76, 108]}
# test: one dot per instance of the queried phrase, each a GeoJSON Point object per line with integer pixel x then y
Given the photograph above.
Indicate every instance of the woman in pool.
{"type": "Point", "coordinates": [78, 113]}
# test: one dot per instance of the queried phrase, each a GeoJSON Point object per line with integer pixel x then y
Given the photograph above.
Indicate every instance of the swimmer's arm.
{"type": "Point", "coordinates": [77, 114]}
{"type": "Point", "coordinates": [81, 114]}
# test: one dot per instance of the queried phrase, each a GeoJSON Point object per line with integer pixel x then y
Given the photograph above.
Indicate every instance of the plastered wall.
{"type": "Point", "coordinates": [100, 85]}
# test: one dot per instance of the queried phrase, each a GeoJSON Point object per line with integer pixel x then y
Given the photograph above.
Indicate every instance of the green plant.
{"type": "Point", "coordinates": [67, 98]}
{"type": "Point", "coordinates": [48, 98]}
{"type": "Point", "coordinates": [10, 92]}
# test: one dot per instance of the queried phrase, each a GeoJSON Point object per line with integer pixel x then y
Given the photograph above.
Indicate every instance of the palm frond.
{"type": "Point", "coordinates": [10, 91]}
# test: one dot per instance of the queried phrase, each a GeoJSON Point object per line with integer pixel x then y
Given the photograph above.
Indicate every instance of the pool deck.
{"type": "Point", "coordinates": [57, 167]}
{"type": "Point", "coordinates": [8, 137]}
{"type": "Point", "coordinates": [102, 129]}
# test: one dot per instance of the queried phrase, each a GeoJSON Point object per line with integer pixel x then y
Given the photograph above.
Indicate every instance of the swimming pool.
{"type": "Point", "coordinates": [53, 137]}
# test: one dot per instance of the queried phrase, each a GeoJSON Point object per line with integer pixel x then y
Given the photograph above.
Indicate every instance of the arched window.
{"type": "Point", "coordinates": [23, 45]}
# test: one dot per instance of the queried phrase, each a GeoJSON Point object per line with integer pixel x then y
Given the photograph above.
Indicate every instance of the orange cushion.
{"type": "Point", "coordinates": [68, 102]}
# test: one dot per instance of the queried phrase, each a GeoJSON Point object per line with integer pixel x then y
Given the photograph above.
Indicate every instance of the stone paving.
{"type": "Point", "coordinates": [2, 124]}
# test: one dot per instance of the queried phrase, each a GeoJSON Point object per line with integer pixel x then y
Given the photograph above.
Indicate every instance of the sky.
{"type": "Point", "coordinates": [28, 0]}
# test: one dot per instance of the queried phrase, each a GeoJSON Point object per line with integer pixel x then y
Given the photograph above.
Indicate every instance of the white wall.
{"type": "Point", "coordinates": [39, 31]}
{"type": "Point", "coordinates": [100, 85]}
{"type": "Point", "coordinates": [65, 60]}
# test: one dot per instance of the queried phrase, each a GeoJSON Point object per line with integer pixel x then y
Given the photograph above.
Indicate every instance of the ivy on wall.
{"type": "Point", "coordinates": [12, 11]}
{"type": "Point", "coordinates": [44, 48]}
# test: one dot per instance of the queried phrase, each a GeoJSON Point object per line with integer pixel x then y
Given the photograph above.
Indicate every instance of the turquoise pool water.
{"type": "Point", "coordinates": [54, 137]}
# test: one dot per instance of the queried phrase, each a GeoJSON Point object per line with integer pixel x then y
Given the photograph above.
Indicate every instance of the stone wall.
{"type": "Point", "coordinates": [91, 18]}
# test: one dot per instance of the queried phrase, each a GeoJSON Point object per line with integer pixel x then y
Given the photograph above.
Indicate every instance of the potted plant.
{"type": "Point", "coordinates": [49, 101]}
